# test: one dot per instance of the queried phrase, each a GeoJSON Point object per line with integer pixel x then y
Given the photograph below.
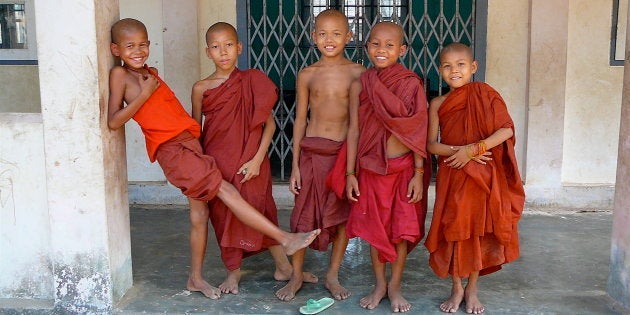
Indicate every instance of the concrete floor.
{"type": "Point", "coordinates": [563, 269]}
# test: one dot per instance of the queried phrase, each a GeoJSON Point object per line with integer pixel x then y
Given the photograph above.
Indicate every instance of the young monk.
{"type": "Point", "coordinates": [327, 89]}
{"type": "Point", "coordinates": [386, 177]}
{"type": "Point", "coordinates": [237, 129]}
{"type": "Point", "coordinates": [171, 139]}
{"type": "Point", "coordinates": [477, 204]}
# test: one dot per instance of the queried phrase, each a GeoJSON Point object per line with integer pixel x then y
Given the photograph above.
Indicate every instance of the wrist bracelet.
{"type": "Point", "coordinates": [348, 173]}
{"type": "Point", "coordinates": [419, 170]}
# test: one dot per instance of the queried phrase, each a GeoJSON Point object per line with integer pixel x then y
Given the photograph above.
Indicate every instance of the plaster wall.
{"type": "Point", "coordinates": [19, 87]}
{"type": "Point", "coordinates": [507, 62]}
{"type": "Point", "coordinates": [593, 97]}
{"type": "Point", "coordinates": [25, 263]}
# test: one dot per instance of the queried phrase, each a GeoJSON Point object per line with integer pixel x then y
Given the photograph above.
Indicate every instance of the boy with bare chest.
{"type": "Point", "coordinates": [326, 91]}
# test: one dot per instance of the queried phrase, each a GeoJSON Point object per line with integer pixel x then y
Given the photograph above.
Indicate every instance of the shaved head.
{"type": "Point", "coordinates": [389, 26]}
{"type": "Point", "coordinates": [221, 27]}
{"type": "Point", "coordinates": [332, 14]}
{"type": "Point", "coordinates": [125, 26]}
{"type": "Point", "coordinates": [457, 47]}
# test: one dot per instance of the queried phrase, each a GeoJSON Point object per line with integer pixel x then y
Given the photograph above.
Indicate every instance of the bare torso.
{"type": "Point", "coordinates": [328, 98]}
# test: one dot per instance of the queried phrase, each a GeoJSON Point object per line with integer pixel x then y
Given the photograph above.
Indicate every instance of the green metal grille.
{"type": "Point", "coordinates": [280, 44]}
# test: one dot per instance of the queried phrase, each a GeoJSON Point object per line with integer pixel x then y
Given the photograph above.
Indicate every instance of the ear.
{"type": "Point", "coordinates": [239, 48]}
{"type": "Point", "coordinates": [474, 66]}
{"type": "Point", "coordinates": [314, 37]}
{"type": "Point", "coordinates": [113, 47]}
{"type": "Point", "coordinates": [403, 50]}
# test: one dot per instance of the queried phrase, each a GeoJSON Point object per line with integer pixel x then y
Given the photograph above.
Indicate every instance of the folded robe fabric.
{"type": "Point", "coordinates": [477, 208]}
{"type": "Point", "coordinates": [187, 168]}
{"type": "Point", "coordinates": [392, 102]}
{"type": "Point", "coordinates": [235, 113]}
{"type": "Point", "coordinates": [162, 117]}
{"type": "Point", "coordinates": [316, 206]}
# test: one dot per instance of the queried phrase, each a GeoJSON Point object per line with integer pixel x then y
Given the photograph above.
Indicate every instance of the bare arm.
{"type": "Point", "coordinates": [434, 146]}
{"type": "Point", "coordinates": [299, 129]}
{"type": "Point", "coordinates": [118, 114]}
{"type": "Point", "coordinates": [352, 185]}
{"type": "Point", "coordinates": [196, 98]}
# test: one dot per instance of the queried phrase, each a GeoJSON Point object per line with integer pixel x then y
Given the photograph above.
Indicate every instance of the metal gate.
{"type": "Point", "coordinates": [279, 43]}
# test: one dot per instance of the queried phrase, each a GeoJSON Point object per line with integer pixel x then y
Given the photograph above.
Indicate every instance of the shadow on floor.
{"type": "Point", "coordinates": [563, 269]}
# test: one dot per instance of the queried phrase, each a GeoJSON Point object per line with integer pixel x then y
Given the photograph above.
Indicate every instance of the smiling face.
{"type": "Point", "coordinates": [457, 67]}
{"type": "Point", "coordinates": [132, 46]}
{"type": "Point", "coordinates": [331, 33]}
{"type": "Point", "coordinates": [385, 45]}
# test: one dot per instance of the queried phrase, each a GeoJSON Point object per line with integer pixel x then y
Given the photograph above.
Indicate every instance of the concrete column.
{"type": "Point", "coordinates": [85, 170]}
{"type": "Point", "coordinates": [547, 54]}
{"type": "Point", "coordinates": [619, 276]}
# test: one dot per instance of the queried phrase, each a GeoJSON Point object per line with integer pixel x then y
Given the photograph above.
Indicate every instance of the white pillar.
{"type": "Point", "coordinates": [85, 169]}
{"type": "Point", "coordinates": [619, 276]}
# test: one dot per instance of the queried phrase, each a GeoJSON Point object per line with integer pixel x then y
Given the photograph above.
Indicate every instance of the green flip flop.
{"type": "Point", "coordinates": [315, 306]}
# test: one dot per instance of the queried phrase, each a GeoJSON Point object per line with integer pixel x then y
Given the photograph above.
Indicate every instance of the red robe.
{"type": "Point", "coordinates": [316, 206]}
{"type": "Point", "coordinates": [477, 208]}
{"type": "Point", "coordinates": [234, 114]}
{"type": "Point", "coordinates": [392, 102]}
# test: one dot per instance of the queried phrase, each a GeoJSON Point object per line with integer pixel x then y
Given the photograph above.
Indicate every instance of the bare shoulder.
{"type": "Point", "coordinates": [357, 69]}
{"type": "Point", "coordinates": [307, 72]}
{"type": "Point", "coordinates": [208, 83]}
{"type": "Point", "coordinates": [435, 103]}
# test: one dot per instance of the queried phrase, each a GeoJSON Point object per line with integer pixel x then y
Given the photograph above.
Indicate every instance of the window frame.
{"type": "Point", "coordinates": [23, 56]}
{"type": "Point", "coordinates": [614, 34]}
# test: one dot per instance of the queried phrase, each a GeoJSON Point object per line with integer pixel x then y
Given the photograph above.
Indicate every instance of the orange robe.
{"type": "Point", "coordinates": [235, 113]}
{"type": "Point", "coordinates": [477, 208]}
{"type": "Point", "coordinates": [171, 139]}
{"type": "Point", "coordinates": [392, 102]}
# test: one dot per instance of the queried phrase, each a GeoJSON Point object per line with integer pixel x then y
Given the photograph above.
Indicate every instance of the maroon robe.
{"type": "Point", "coordinates": [235, 113]}
{"type": "Point", "coordinates": [392, 102]}
{"type": "Point", "coordinates": [316, 206]}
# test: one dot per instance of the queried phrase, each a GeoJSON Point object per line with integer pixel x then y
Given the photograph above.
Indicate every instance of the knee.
{"type": "Point", "coordinates": [228, 191]}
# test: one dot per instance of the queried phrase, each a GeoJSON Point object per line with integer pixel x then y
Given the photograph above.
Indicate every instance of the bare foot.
{"type": "Point", "coordinates": [372, 300]}
{"type": "Point", "coordinates": [337, 291]}
{"type": "Point", "coordinates": [398, 302]}
{"type": "Point", "coordinates": [281, 275]}
{"type": "Point", "coordinates": [298, 241]}
{"type": "Point", "coordinates": [230, 284]}
{"type": "Point", "coordinates": [287, 293]}
{"type": "Point", "coordinates": [204, 287]}
{"type": "Point", "coordinates": [473, 305]}
{"type": "Point", "coordinates": [452, 304]}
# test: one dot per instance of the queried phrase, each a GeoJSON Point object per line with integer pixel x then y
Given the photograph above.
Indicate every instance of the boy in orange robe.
{"type": "Point", "coordinates": [390, 158]}
{"type": "Point", "coordinates": [478, 205]}
{"type": "Point", "coordinates": [236, 109]}
{"type": "Point", "coordinates": [172, 139]}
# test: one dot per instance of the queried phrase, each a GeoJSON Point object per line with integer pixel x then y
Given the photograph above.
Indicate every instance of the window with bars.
{"type": "Point", "coordinates": [360, 13]}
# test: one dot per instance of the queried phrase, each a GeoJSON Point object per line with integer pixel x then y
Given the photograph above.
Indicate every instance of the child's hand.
{"type": "Point", "coordinates": [249, 170]}
{"type": "Point", "coordinates": [148, 83]}
{"type": "Point", "coordinates": [352, 188]}
{"type": "Point", "coordinates": [482, 158]}
{"type": "Point", "coordinates": [459, 159]}
{"type": "Point", "coordinates": [295, 182]}
{"type": "Point", "coordinates": [414, 189]}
